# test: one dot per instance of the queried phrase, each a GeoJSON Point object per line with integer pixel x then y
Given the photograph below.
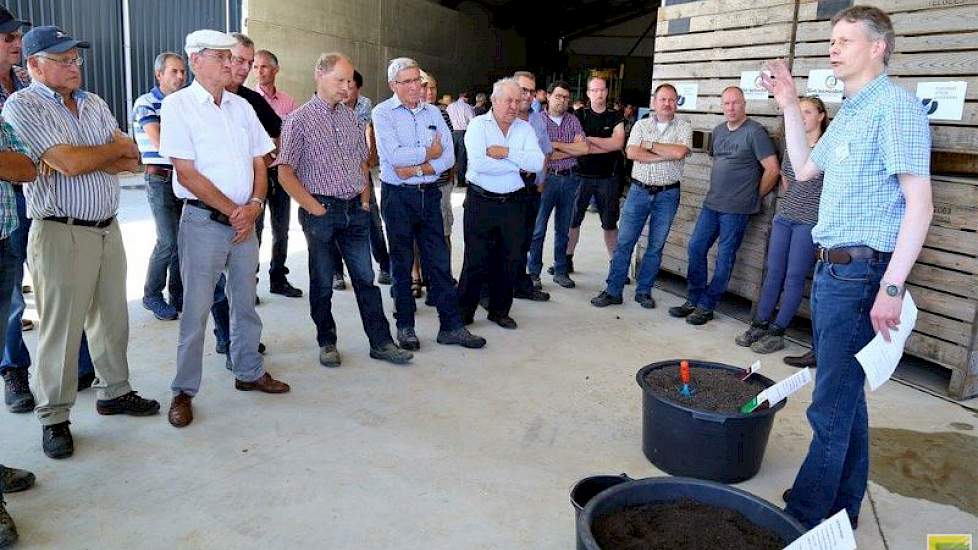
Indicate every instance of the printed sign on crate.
{"type": "Point", "coordinates": [943, 100]}
{"type": "Point", "coordinates": [824, 84]}
{"type": "Point", "coordinates": [688, 95]}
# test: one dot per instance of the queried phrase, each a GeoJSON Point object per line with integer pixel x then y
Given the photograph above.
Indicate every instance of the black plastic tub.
{"type": "Point", "coordinates": [588, 488]}
{"type": "Point", "coordinates": [667, 489]}
{"type": "Point", "coordinates": [683, 441]}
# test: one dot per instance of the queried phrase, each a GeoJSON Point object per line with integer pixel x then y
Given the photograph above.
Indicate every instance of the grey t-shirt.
{"type": "Point", "coordinates": [737, 168]}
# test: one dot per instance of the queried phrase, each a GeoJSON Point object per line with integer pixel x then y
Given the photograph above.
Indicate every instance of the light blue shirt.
{"type": "Point", "coordinates": [403, 136]}
{"type": "Point", "coordinates": [501, 175]}
{"type": "Point", "coordinates": [877, 135]}
{"type": "Point", "coordinates": [540, 127]}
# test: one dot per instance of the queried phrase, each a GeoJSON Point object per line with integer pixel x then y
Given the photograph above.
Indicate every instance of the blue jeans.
{"type": "Point", "coordinates": [280, 211]}
{"type": "Point", "coordinates": [347, 227]}
{"type": "Point", "coordinates": [640, 205]}
{"type": "Point", "coordinates": [15, 352]}
{"type": "Point", "coordinates": [414, 215]}
{"type": "Point", "coordinates": [378, 244]}
{"type": "Point", "coordinates": [834, 473]}
{"type": "Point", "coordinates": [164, 262]}
{"type": "Point", "coordinates": [790, 257]}
{"type": "Point", "coordinates": [560, 194]}
{"type": "Point", "coordinates": [9, 260]}
{"type": "Point", "coordinates": [713, 226]}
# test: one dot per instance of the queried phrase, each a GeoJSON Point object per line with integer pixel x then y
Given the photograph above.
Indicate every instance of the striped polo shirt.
{"type": "Point", "coordinates": [41, 120]}
{"type": "Point", "coordinates": [146, 110]}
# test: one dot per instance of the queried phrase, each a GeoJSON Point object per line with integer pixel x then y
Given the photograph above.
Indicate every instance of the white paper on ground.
{"type": "Point", "coordinates": [880, 358]}
{"type": "Point", "coordinates": [834, 533]}
{"type": "Point", "coordinates": [776, 393]}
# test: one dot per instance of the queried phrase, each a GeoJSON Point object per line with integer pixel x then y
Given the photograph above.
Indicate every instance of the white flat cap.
{"type": "Point", "coordinates": [207, 39]}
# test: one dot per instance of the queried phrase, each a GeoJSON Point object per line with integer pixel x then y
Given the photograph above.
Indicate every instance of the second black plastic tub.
{"type": "Point", "coordinates": [684, 441]}
{"type": "Point", "coordinates": [588, 488]}
{"type": "Point", "coordinates": [668, 489]}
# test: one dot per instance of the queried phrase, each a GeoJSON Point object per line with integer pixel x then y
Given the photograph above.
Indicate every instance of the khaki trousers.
{"type": "Point", "coordinates": [79, 276]}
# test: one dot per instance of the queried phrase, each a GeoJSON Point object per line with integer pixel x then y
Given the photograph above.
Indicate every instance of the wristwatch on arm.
{"type": "Point", "coordinates": [891, 289]}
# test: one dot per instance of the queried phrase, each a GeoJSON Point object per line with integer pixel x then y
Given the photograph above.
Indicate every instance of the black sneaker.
{"type": "Point", "coordinates": [771, 342]}
{"type": "Point", "coordinates": [13, 480]}
{"type": "Point", "coordinates": [8, 531]}
{"type": "Point", "coordinates": [462, 337]}
{"type": "Point", "coordinates": [682, 311]}
{"type": "Point", "coordinates": [533, 295]}
{"type": "Point", "coordinates": [16, 391]}
{"type": "Point", "coordinates": [392, 354]}
{"type": "Point", "coordinates": [564, 281]}
{"type": "Point", "coordinates": [56, 440]}
{"type": "Point", "coordinates": [604, 299]}
{"type": "Point", "coordinates": [700, 316]}
{"type": "Point", "coordinates": [756, 331]}
{"type": "Point", "coordinates": [130, 404]}
{"type": "Point", "coordinates": [285, 289]}
{"type": "Point", "coordinates": [504, 321]}
{"type": "Point", "coordinates": [408, 339]}
{"type": "Point", "coordinates": [645, 300]}
{"type": "Point", "coordinates": [384, 278]}
{"type": "Point", "coordinates": [801, 361]}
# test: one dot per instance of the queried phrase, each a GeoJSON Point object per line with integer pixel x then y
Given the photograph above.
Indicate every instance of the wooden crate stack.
{"type": "Point", "coordinates": [711, 42]}
{"type": "Point", "coordinates": [937, 40]}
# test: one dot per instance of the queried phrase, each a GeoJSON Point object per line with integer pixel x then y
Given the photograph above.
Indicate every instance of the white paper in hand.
{"type": "Point", "coordinates": [880, 358]}
{"type": "Point", "coordinates": [834, 533]}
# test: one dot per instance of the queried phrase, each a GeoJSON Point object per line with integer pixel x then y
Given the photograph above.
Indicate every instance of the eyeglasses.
{"type": "Point", "coordinates": [409, 82]}
{"type": "Point", "coordinates": [71, 61]}
{"type": "Point", "coordinates": [223, 58]}
{"type": "Point", "coordinates": [238, 60]}
{"type": "Point", "coordinates": [526, 91]}
{"type": "Point", "coordinates": [10, 37]}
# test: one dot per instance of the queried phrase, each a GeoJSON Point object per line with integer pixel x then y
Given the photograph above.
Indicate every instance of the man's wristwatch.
{"type": "Point", "coordinates": [260, 202]}
{"type": "Point", "coordinates": [419, 172]}
{"type": "Point", "coordinates": [891, 289]}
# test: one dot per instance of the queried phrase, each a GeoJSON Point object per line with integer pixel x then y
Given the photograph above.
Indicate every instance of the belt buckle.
{"type": "Point", "coordinates": [823, 254]}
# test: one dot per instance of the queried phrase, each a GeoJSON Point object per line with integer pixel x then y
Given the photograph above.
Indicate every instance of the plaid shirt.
{"type": "Point", "coordinates": [878, 134]}
{"type": "Point", "coordinates": [568, 131]}
{"type": "Point", "coordinates": [678, 131]}
{"type": "Point", "coordinates": [326, 147]}
{"type": "Point", "coordinates": [8, 202]}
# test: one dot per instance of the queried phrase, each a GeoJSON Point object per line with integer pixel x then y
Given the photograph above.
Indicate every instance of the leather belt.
{"type": "Point", "coordinates": [846, 254]}
{"type": "Point", "coordinates": [101, 224]}
{"type": "Point", "coordinates": [417, 186]}
{"type": "Point", "coordinates": [216, 215]}
{"type": "Point", "coordinates": [653, 189]}
{"type": "Point", "coordinates": [159, 170]}
{"type": "Point", "coordinates": [519, 194]}
{"type": "Point", "coordinates": [565, 172]}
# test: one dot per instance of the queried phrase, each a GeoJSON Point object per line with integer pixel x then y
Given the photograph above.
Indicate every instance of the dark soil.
{"type": "Point", "coordinates": [717, 390]}
{"type": "Point", "coordinates": [682, 524]}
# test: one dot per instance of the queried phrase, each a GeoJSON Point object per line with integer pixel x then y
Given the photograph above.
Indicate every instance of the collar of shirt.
{"type": "Point", "coordinates": [157, 93]}
{"type": "Point", "coordinates": [201, 95]}
{"type": "Point", "coordinates": [866, 95]}
{"type": "Point", "coordinates": [271, 96]}
{"type": "Point", "coordinates": [78, 95]}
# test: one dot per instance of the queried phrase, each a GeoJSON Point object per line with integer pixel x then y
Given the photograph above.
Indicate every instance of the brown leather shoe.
{"type": "Point", "coordinates": [265, 384]}
{"type": "Point", "coordinates": [181, 413]}
{"type": "Point", "coordinates": [801, 361]}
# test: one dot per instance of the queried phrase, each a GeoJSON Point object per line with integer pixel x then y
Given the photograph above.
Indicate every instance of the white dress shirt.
{"type": "Point", "coordinates": [501, 175]}
{"type": "Point", "coordinates": [223, 141]}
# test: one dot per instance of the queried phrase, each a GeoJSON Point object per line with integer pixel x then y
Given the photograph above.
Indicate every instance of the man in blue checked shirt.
{"type": "Point", "coordinates": [874, 213]}
{"type": "Point", "coordinates": [415, 146]}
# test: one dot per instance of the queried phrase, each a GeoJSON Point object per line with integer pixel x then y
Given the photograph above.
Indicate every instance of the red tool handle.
{"type": "Point", "coordinates": [684, 371]}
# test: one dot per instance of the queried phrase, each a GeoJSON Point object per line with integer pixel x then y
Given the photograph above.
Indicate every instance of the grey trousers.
{"type": "Point", "coordinates": [206, 251]}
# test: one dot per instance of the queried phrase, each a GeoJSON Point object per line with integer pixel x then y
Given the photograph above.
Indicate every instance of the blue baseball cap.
{"type": "Point", "coordinates": [49, 39]}
{"type": "Point", "coordinates": [8, 23]}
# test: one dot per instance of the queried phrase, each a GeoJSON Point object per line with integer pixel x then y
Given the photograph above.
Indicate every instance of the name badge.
{"type": "Point", "coordinates": [842, 151]}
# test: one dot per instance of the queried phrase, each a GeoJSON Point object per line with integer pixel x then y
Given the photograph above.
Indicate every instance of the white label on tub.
{"type": "Point", "coordinates": [776, 393]}
{"type": "Point", "coordinates": [834, 533]}
{"type": "Point", "coordinates": [753, 368]}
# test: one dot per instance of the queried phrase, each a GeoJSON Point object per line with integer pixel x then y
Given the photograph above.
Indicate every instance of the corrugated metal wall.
{"type": "Point", "coordinates": [155, 26]}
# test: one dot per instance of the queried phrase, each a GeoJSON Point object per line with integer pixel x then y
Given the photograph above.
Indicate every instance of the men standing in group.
{"type": "Point", "coordinates": [415, 148]}
{"type": "Point", "coordinates": [324, 163]}
{"type": "Point", "coordinates": [217, 147]}
{"type": "Point", "coordinates": [460, 113]}
{"type": "Point", "coordinates": [279, 204]}
{"type": "Point", "coordinates": [164, 264]}
{"type": "Point", "coordinates": [745, 168]}
{"type": "Point", "coordinates": [658, 147]}
{"type": "Point", "coordinates": [605, 131]}
{"type": "Point", "coordinates": [875, 211]}
{"type": "Point", "coordinates": [560, 191]}
{"type": "Point", "coordinates": [505, 158]}
{"type": "Point", "coordinates": [75, 248]}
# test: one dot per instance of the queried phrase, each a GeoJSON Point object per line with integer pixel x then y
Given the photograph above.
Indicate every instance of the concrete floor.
{"type": "Point", "coordinates": [464, 449]}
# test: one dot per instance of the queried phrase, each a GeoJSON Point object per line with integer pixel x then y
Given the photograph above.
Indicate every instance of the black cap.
{"type": "Point", "coordinates": [8, 23]}
{"type": "Point", "coordinates": [49, 39]}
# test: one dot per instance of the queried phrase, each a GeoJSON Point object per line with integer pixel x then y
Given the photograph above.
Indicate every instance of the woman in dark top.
{"type": "Point", "coordinates": [791, 252]}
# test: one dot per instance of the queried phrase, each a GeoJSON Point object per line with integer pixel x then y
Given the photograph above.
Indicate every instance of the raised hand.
{"type": "Point", "coordinates": [780, 83]}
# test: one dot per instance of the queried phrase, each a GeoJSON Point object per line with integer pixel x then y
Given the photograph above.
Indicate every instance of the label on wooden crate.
{"type": "Point", "coordinates": [943, 100]}
{"type": "Point", "coordinates": [834, 533]}
{"type": "Point", "coordinates": [750, 83]}
{"type": "Point", "coordinates": [688, 95]}
{"type": "Point", "coordinates": [824, 84]}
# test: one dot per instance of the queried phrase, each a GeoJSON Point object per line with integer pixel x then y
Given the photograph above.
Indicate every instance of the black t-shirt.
{"type": "Point", "coordinates": [598, 125]}
{"type": "Point", "coordinates": [270, 121]}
